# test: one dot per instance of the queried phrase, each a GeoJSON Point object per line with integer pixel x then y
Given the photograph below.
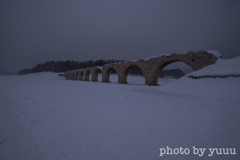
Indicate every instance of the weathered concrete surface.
{"type": "Point", "coordinates": [94, 73]}
{"type": "Point", "coordinates": [72, 75]}
{"type": "Point", "coordinates": [122, 70]}
{"type": "Point", "coordinates": [68, 75]}
{"type": "Point", "coordinates": [75, 77]}
{"type": "Point", "coordinates": [106, 71]}
{"type": "Point", "coordinates": [151, 67]}
{"type": "Point", "coordinates": [80, 74]}
{"type": "Point", "coordinates": [86, 73]}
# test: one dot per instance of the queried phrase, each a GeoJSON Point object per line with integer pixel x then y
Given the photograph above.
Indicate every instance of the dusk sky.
{"type": "Point", "coordinates": [33, 32]}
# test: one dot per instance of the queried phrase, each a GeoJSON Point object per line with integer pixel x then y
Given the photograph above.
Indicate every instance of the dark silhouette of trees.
{"type": "Point", "coordinates": [25, 71]}
{"type": "Point", "coordinates": [63, 66]}
{"type": "Point", "coordinates": [175, 73]}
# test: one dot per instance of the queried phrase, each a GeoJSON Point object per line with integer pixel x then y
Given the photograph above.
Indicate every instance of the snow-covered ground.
{"type": "Point", "coordinates": [45, 117]}
{"type": "Point", "coordinates": [223, 67]}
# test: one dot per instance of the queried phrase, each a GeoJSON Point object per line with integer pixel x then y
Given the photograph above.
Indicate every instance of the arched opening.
{"type": "Point", "coordinates": [97, 75]}
{"type": "Point", "coordinates": [114, 77]}
{"type": "Point", "coordinates": [80, 75]}
{"type": "Point", "coordinates": [134, 75]}
{"type": "Point", "coordinates": [87, 76]}
{"type": "Point", "coordinates": [173, 70]}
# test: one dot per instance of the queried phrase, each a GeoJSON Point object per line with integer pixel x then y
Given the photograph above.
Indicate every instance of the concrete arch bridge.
{"type": "Point", "coordinates": [151, 67]}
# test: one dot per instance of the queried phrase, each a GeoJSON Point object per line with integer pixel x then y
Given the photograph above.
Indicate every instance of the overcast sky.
{"type": "Point", "coordinates": [36, 31]}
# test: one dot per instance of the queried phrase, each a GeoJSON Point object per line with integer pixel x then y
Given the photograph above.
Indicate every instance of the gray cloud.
{"type": "Point", "coordinates": [37, 31]}
{"type": "Point", "coordinates": [232, 3]}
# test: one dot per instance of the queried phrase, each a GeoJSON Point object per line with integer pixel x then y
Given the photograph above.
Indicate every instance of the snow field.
{"type": "Point", "coordinates": [44, 116]}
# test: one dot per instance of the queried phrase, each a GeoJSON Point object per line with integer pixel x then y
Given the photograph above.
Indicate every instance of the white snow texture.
{"type": "Point", "coordinates": [45, 117]}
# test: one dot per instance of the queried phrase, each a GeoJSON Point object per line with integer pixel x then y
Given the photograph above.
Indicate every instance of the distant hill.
{"type": "Point", "coordinates": [7, 73]}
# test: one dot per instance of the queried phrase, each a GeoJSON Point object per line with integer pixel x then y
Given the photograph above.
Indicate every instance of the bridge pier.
{"type": "Point", "coordinates": [94, 73]}
{"type": "Point", "coordinates": [80, 75]}
{"type": "Point", "coordinates": [72, 75]}
{"type": "Point", "coordinates": [122, 79]}
{"type": "Point", "coordinates": [105, 78]}
{"type": "Point", "coordinates": [86, 73]}
{"type": "Point", "coordinates": [75, 75]}
{"type": "Point", "coordinates": [86, 78]}
{"type": "Point", "coordinates": [69, 75]}
{"type": "Point", "coordinates": [66, 75]}
{"type": "Point", "coordinates": [151, 80]}
{"type": "Point", "coordinates": [94, 78]}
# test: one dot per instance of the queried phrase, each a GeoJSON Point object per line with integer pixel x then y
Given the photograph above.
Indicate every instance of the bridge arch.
{"type": "Point", "coordinates": [168, 63]}
{"type": "Point", "coordinates": [69, 75]}
{"type": "Point", "coordinates": [196, 60]}
{"type": "Point", "coordinates": [94, 73]}
{"type": "Point", "coordinates": [151, 67]}
{"type": "Point", "coordinates": [86, 73]}
{"type": "Point", "coordinates": [110, 69]}
{"type": "Point", "coordinates": [72, 75]}
{"type": "Point", "coordinates": [128, 69]}
{"type": "Point", "coordinates": [80, 75]}
{"type": "Point", "coordinates": [171, 62]}
{"type": "Point", "coordinates": [75, 75]}
{"type": "Point", "coordinates": [106, 71]}
{"type": "Point", "coordinates": [66, 75]}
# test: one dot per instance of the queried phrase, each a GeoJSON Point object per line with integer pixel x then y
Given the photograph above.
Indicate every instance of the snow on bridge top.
{"type": "Point", "coordinates": [213, 52]}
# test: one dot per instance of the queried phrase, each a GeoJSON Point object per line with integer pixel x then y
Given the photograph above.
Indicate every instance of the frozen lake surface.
{"type": "Point", "coordinates": [45, 117]}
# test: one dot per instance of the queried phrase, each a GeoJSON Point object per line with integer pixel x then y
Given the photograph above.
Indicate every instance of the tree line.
{"type": "Point", "coordinates": [63, 66]}
{"type": "Point", "coordinates": [175, 73]}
